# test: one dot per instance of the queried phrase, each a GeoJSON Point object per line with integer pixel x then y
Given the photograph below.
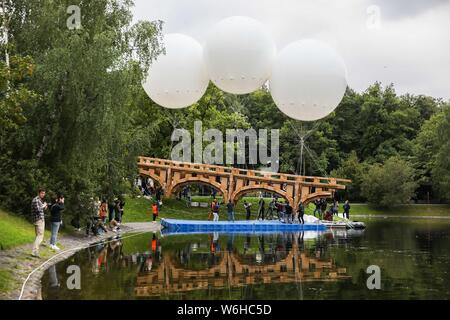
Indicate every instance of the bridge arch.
{"type": "Point", "coordinates": [247, 189]}
{"type": "Point", "coordinates": [316, 195]}
{"type": "Point", "coordinates": [154, 177]}
{"type": "Point", "coordinates": [198, 180]}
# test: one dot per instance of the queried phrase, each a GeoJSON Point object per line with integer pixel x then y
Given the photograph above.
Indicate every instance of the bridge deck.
{"type": "Point", "coordinates": [174, 225]}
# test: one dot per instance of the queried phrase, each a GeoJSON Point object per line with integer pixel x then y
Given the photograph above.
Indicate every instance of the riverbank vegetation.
{"type": "Point", "coordinates": [74, 117]}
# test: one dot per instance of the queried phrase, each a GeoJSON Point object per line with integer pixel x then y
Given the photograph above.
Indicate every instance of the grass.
{"type": "Point", "coordinates": [139, 209]}
{"type": "Point", "coordinates": [15, 231]}
{"type": "Point", "coordinates": [404, 210]}
{"type": "Point", "coordinates": [5, 280]}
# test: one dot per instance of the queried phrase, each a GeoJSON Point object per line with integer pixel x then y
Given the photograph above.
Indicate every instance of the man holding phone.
{"type": "Point", "coordinates": [38, 205]}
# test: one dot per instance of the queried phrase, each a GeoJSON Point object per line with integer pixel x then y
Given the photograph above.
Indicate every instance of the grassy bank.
{"type": "Point", "coordinates": [5, 280]}
{"type": "Point", "coordinates": [15, 231]}
{"type": "Point", "coordinates": [404, 210]}
{"type": "Point", "coordinates": [139, 209]}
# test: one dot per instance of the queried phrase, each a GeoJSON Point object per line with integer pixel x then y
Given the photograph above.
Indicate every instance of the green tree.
{"type": "Point", "coordinates": [79, 134]}
{"type": "Point", "coordinates": [351, 168]}
{"type": "Point", "coordinates": [389, 184]}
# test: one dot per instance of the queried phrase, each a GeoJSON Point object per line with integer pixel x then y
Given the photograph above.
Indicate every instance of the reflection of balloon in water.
{"type": "Point", "coordinates": [308, 80]}
{"type": "Point", "coordinates": [239, 54]}
{"type": "Point", "coordinates": [177, 79]}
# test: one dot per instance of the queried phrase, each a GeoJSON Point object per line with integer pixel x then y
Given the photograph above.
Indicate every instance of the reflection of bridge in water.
{"type": "Point", "coordinates": [296, 267]}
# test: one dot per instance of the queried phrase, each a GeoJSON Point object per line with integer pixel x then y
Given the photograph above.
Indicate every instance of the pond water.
{"type": "Point", "coordinates": [413, 256]}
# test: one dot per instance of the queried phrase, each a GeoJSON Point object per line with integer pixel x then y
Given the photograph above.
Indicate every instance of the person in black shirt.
{"type": "Point", "coordinates": [301, 213]}
{"type": "Point", "coordinates": [230, 210]}
{"type": "Point", "coordinates": [261, 209]}
{"type": "Point", "coordinates": [247, 209]}
{"type": "Point", "coordinates": [55, 213]}
{"type": "Point", "coordinates": [288, 209]}
{"type": "Point", "coordinates": [347, 210]}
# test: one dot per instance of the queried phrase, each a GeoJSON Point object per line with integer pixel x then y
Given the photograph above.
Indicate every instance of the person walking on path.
{"type": "Point", "coordinates": [301, 213]}
{"type": "Point", "coordinates": [346, 209]}
{"type": "Point", "coordinates": [154, 211]}
{"type": "Point", "coordinates": [247, 207]}
{"type": "Point", "coordinates": [38, 205]}
{"type": "Point", "coordinates": [230, 210]}
{"type": "Point", "coordinates": [261, 209]}
{"type": "Point", "coordinates": [55, 213]}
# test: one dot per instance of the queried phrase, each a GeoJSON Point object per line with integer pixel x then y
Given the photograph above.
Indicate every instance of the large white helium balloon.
{"type": "Point", "coordinates": [239, 54]}
{"type": "Point", "coordinates": [308, 80]}
{"type": "Point", "coordinates": [177, 79]}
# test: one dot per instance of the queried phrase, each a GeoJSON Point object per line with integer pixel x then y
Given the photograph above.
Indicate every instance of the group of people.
{"type": "Point", "coordinates": [323, 213]}
{"type": "Point", "coordinates": [103, 214]}
{"type": "Point", "coordinates": [282, 211]}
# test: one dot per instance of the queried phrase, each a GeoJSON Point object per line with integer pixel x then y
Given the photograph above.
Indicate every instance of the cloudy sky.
{"type": "Point", "coordinates": [406, 42]}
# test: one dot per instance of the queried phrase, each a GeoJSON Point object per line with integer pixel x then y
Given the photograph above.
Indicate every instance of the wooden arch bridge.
{"type": "Point", "coordinates": [233, 183]}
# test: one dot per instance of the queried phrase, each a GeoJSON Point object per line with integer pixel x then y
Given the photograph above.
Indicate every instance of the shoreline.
{"type": "Point", "coordinates": [23, 267]}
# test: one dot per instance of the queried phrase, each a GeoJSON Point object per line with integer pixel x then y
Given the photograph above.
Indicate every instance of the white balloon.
{"type": "Point", "coordinates": [308, 80]}
{"type": "Point", "coordinates": [177, 79]}
{"type": "Point", "coordinates": [239, 54]}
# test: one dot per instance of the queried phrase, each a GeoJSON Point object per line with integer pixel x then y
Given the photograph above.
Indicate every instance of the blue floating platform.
{"type": "Point", "coordinates": [175, 225]}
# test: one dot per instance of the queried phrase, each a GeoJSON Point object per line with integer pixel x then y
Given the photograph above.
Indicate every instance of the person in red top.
{"type": "Point", "coordinates": [103, 210]}
{"type": "Point", "coordinates": [154, 211]}
{"type": "Point", "coordinates": [154, 243]}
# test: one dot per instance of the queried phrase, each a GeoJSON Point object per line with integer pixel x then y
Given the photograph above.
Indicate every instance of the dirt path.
{"type": "Point", "coordinates": [23, 267]}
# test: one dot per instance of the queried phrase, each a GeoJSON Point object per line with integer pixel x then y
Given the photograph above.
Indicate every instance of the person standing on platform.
{"type": "Point", "coordinates": [288, 210]}
{"type": "Point", "coordinates": [247, 207]}
{"type": "Point", "coordinates": [216, 212]}
{"type": "Point", "coordinates": [261, 209]}
{"type": "Point", "coordinates": [336, 208]}
{"type": "Point", "coordinates": [230, 210]}
{"type": "Point", "coordinates": [213, 204]}
{"type": "Point", "coordinates": [271, 209]}
{"type": "Point", "coordinates": [318, 204]}
{"type": "Point", "coordinates": [301, 213]}
{"type": "Point", "coordinates": [346, 209]}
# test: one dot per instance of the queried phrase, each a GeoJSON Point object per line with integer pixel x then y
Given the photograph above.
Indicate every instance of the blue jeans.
{"type": "Point", "coordinates": [55, 229]}
{"type": "Point", "coordinates": [231, 216]}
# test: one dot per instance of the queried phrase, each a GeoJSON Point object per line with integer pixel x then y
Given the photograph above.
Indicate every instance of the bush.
{"type": "Point", "coordinates": [389, 184]}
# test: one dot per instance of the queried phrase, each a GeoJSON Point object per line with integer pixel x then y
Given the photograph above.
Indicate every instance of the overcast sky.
{"type": "Point", "coordinates": [406, 42]}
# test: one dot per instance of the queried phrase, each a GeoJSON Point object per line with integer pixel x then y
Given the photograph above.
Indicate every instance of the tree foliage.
{"type": "Point", "coordinates": [389, 184]}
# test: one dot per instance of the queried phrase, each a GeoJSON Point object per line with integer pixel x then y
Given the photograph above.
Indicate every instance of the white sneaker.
{"type": "Point", "coordinates": [54, 247]}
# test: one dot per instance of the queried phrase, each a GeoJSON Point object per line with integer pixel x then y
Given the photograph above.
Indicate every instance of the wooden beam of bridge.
{"type": "Point", "coordinates": [233, 183]}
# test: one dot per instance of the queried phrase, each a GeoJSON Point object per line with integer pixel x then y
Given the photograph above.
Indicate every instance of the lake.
{"type": "Point", "coordinates": [413, 257]}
